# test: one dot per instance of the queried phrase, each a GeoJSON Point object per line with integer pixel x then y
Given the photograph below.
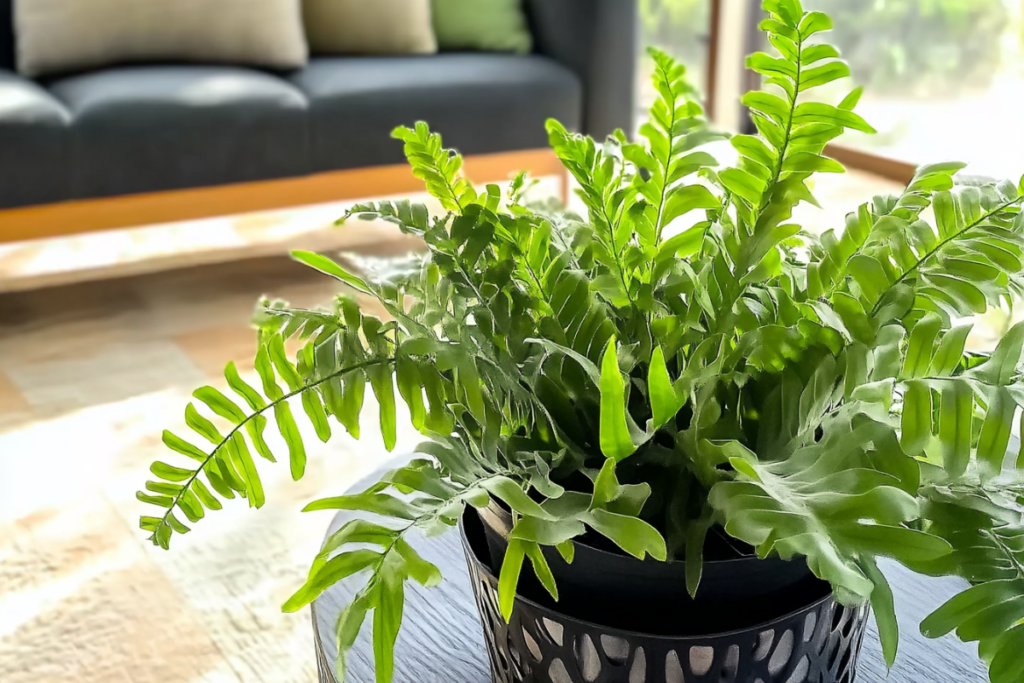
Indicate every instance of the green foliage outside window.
{"type": "Point", "coordinates": [899, 47]}
{"type": "Point", "coordinates": [679, 27]}
{"type": "Point", "coordinates": [920, 47]}
{"type": "Point", "coordinates": [606, 374]}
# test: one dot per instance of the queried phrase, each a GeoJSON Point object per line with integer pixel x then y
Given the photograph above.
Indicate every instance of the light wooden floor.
{"type": "Point", "coordinates": [89, 376]}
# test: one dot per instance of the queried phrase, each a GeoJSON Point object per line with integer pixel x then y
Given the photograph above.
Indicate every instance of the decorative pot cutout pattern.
{"type": "Point", "coordinates": [818, 644]}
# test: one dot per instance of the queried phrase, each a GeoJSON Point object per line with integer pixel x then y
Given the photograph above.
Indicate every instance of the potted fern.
{"type": "Point", "coordinates": [759, 412]}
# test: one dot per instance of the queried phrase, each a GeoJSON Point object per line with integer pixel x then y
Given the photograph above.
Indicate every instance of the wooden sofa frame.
{"type": "Point", "coordinates": [92, 215]}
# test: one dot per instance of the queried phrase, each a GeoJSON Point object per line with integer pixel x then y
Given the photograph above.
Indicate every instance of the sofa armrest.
{"type": "Point", "coordinates": [597, 40]}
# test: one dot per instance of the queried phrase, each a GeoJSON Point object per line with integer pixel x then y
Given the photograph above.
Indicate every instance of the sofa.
{"type": "Point", "coordinates": [150, 133]}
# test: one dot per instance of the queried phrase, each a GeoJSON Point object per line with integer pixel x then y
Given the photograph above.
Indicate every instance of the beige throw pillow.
{"type": "Point", "coordinates": [65, 35]}
{"type": "Point", "coordinates": [369, 27]}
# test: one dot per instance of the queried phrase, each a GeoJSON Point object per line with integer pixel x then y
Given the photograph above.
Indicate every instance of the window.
{"type": "Point", "coordinates": [680, 28]}
{"type": "Point", "coordinates": [943, 79]}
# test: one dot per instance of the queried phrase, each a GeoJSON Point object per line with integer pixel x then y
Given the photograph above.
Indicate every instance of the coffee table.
{"type": "Point", "coordinates": [442, 642]}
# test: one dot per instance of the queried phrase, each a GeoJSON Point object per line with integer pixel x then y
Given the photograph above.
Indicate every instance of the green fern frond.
{"type": "Point", "coordinates": [436, 166]}
{"type": "Point", "coordinates": [872, 225]}
{"type": "Point", "coordinates": [676, 127]}
{"type": "Point", "coordinates": [435, 503]}
{"type": "Point", "coordinates": [839, 501]}
{"type": "Point", "coordinates": [229, 465]}
{"type": "Point", "coordinates": [983, 524]}
{"type": "Point", "coordinates": [412, 219]}
{"type": "Point", "coordinates": [963, 265]}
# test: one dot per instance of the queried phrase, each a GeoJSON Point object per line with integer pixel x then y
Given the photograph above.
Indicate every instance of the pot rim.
{"type": "Point", "coordinates": [670, 563]}
{"type": "Point", "coordinates": [485, 570]}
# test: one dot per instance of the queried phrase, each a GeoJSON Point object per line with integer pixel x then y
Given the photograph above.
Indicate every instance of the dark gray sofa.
{"type": "Point", "coordinates": [151, 128]}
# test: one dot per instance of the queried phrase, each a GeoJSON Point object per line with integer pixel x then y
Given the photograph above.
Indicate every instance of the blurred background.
{"type": "Point", "coordinates": [942, 78]}
{"type": "Point", "coordinates": [131, 282]}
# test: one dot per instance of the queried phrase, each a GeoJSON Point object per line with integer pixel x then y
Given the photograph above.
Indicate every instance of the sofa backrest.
{"type": "Point", "coordinates": [7, 34]}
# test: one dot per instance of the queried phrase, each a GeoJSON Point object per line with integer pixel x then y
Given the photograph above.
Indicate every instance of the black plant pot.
{"type": "Point", "coordinates": [615, 589]}
{"type": "Point", "coordinates": [596, 636]}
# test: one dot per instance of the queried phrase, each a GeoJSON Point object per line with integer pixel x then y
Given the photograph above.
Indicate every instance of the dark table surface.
{"type": "Point", "coordinates": [441, 640]}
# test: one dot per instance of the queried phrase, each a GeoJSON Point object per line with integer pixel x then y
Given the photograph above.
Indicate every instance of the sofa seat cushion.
{"type": "Point", "coordinates": [152, 128]}
{"type": "Point", "coordinates": [480, 103]}
{"type": "Point", "coordinates": [33, 144]}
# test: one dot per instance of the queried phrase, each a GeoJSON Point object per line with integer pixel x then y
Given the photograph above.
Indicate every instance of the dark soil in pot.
{"type": "Point", "coordinates": [608, 587]}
